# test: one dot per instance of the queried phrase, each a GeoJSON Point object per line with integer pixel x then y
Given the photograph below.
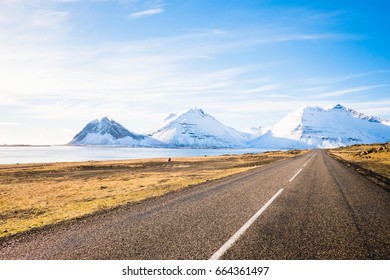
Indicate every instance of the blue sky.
{"type": "Point", "coordinates": [247, 63]}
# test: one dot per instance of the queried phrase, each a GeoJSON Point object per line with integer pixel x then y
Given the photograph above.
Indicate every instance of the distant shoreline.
{"type": "Point", "coordinates": [23, 145]}
{"type": "Point", "coordinates": [12, 154]}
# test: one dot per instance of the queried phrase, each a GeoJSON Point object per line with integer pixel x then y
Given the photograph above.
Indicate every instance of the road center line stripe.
{"type": "Point", "coordinates": [309, 160]}
{"type": "Point", "coordinates": [296, 174]}
{"type": "Point", "coordinates": [244, 228]}
{"type": "Point", "coordinates": [299, 171]}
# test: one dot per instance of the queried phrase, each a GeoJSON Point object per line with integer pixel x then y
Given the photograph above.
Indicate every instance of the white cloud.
{"type": "Point", "coordinates": [349, 90]}
{"type": "Point", "coordinates": [145, 13]}
{"type": "Point", "coordinates": [263, 88]}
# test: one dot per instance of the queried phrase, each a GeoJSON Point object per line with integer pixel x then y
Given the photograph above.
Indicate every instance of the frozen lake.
{"type": "Point", "coordinates": [69, 153]}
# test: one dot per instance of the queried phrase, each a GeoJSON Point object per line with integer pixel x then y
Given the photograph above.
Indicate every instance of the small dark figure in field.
{"type": "Point", "coordinates": [169, 159]}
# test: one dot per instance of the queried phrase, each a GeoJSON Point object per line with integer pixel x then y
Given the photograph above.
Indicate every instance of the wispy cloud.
{"type": "Point", "coordinates": [263, 88]}
{"type": "Point", "coordinates": [146, 13]}
{"type": "Point", "coordinates": [329, 80]}
{"type": "Point", "coordinates": [349, 90]}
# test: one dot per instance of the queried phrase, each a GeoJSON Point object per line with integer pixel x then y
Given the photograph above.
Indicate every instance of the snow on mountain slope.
{"type": "Point", "coordinates": [336, 126]}
{"type": "Point", "coordinates": [360, 115]}
{"type": "Point", "coordinates": [254, 132]}
{"type": "Point", "coordinates": [170, 117]}
{"type": "Point", "coordinates": [108, 132]}
{"type": "Point", "coordinates": [385, 122]}
{"type": "Point", "coordinates": [196, 129]}
{"type": "Point", "coordinates": [308, 127]}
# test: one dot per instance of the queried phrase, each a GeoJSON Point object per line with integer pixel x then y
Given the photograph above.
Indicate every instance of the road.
{"type": "Point", "coordinates": [308, 207]}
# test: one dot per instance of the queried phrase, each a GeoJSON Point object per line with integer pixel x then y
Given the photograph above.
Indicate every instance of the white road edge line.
{"type": "Point", "coordinates": [242, 230]}
{"type": "Point", "coordinates": [296, 174]}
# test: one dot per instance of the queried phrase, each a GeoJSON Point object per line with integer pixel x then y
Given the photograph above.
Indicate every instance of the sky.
{"type": "Point", "coordinates": [248, 63]}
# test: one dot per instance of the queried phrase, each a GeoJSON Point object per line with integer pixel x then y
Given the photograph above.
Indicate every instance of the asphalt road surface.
{"type": "Point", "coordinates": [308, 207]}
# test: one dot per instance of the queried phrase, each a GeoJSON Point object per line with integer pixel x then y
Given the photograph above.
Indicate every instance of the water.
{"type": "Point", "coordinates": [10, 155]}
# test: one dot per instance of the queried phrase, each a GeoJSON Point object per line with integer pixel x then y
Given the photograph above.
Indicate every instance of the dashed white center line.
{"type": "Point", "coordinates": [309, 160]}
{"type": "Point", "coordinates": [242, 230]}
{"type": "Point", "coordinates": [296, 174]}
{"type": "Point", "coordinates": [217, 255]}
{"type": "Point", "coordinates": [299, 171]}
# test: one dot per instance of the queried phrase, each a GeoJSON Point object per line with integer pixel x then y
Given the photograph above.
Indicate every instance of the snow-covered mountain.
{"type": "Point", "coordinates": [108, 132]}
{"type": "Point", "coordinates": [307, 127]}
{"type": "Point", "coordinates": [255, 132]}
{"type": "Point", "coordinates": [315, 127]}
{"type": "Point", "coordinates": [361, 115]}
{"type": "Point", "coordinates": [196, 129]}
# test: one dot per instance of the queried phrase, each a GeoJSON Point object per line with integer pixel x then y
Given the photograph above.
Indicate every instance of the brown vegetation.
{"type": "Point", "coordinates": [370, 160]}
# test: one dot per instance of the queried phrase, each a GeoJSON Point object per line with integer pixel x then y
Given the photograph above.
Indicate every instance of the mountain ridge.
{"type": "Point", "coordinates": [306, 127]}
{"type": "Point", "coordinates": [316, 127]}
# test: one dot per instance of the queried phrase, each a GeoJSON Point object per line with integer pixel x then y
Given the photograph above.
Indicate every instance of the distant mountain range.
{"type": "Point", "coordinates": [307, 127]}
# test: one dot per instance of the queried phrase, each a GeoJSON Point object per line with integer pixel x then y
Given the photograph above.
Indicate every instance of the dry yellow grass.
{"type": "Point", "coordinates": [34, 195]}
{"type": "Point", "coordinates": [375, 158]}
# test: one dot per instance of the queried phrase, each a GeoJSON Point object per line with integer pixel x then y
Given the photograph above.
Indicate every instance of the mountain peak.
{"type": "Point", "coordinates": [194, 128]}
{"type": "Point", "coordinates": [106, 132]}
{"type": "Point", "coordinates": [105, 119]}
{"type": "Point", "coordinates": [356, 114]}
{"type": "Point", "coordinates": [196, 110]}
{"type": "Point", "coordinates": [338, 107]}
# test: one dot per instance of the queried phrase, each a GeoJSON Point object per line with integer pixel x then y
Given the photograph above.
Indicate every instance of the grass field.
{"type": "Point", "coordinates": [34, 195]}
{"type": "Point", "coordinates": [372, 161]}
{"type": "Point", "coordinates": [375, 158]}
